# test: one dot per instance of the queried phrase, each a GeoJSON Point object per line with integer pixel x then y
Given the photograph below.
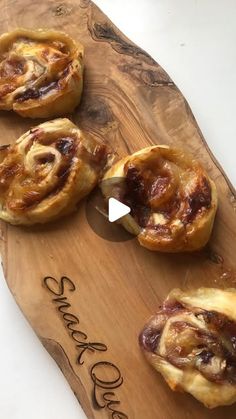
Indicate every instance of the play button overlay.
{"type": "Point", "coordinates": [102, 214]}
{"type": "Point", "coordinates": [116, 210]}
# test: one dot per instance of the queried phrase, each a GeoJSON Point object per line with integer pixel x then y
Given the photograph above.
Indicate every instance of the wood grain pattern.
{"type": "Point", "coordinates": [130, 102]}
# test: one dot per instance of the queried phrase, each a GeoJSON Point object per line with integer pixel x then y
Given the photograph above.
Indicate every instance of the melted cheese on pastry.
{"type": "Point", "coordinates": [47, 171]}
{"type": "Point", "coordinates": [191, 341]}
{"type": "Point", "coordinates": [173, 201]}
{"type": "Point", "coordinates": [41, 73]}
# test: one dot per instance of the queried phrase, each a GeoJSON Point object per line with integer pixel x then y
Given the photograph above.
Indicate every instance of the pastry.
{"type": "Point", "coordinates": [41, 73]}
{"type": "Point", "coordinates": [191, 341]}
{"type": "Point", "coordinates": [173, 201]}
{"type": "Point", "coordinates": [47, 171]}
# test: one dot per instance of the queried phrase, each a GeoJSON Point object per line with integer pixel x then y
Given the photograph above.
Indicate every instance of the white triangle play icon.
{"type": "Point", "coordinates": [116, 210]}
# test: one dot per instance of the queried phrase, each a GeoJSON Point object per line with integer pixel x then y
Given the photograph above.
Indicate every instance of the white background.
{"type": "Point", "coordinates": [194, 40]}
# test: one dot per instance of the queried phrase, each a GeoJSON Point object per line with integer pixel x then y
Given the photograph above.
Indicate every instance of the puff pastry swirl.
{"type": "Point", "coordinates": [47, 171]}
{"type": "Point", "coordinates": [173, 201]}
{"type": "Point", "coordinates": [41, 73]}
{"type": "Point", "coordinates": [191, 341]}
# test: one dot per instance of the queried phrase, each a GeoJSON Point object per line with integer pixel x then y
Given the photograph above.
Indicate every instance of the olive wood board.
{"type": "Point", "coordinates": [98, 294]}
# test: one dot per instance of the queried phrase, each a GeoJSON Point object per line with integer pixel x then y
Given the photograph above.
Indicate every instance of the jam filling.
{"type": "Point", "coordinates": [135, 196]}
{"type": "Point", "coordinates": [149, 338]}
{"type": "Point", "coordinates": [36, 93]}
{"type": "Point", "coordinates": [65, 145]}
{"type": "Point", "coordinates": [200, 198]}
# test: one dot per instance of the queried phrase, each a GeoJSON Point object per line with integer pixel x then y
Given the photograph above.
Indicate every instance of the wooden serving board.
{"type": "Point", "coordinates": [89, 321]}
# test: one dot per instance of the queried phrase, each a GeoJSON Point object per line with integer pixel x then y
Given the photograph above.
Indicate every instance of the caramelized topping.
{"type": "Point", "coordinates": [159, 189]}
{"type": "Point", "coordinates": [7, 88]}
{"type": "Point", "coordinates": [7, 172]}
{"type": "Point", "coordinates": [12, 67]}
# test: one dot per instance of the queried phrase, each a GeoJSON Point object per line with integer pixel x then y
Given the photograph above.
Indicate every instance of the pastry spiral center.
{"type": "Point", "coordinates": [39, 168]}
{"type": "Point", "coordinates": [38, 65]}
{"type": "Point", "coordinates": [194, 338]}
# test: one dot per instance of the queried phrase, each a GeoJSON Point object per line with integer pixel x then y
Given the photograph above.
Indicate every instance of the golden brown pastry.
{"type": "Point", "coordinates": [191, 341]}
{"type": "Point", "coordinates": [173, 201]}
{"type": "Point", "coordinates": [41, 73]}
{"type": "Point", "coordinates": [47, 171]}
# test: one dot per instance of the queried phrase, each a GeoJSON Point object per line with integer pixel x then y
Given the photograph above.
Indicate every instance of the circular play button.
{"type": "Point", "coordinates": [116, 210]}
{"type": "Point", "coordinates": [103, 216]}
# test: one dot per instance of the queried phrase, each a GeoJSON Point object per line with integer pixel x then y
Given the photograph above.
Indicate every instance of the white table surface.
{"type": "Point", "coordinates": [194, 41]}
